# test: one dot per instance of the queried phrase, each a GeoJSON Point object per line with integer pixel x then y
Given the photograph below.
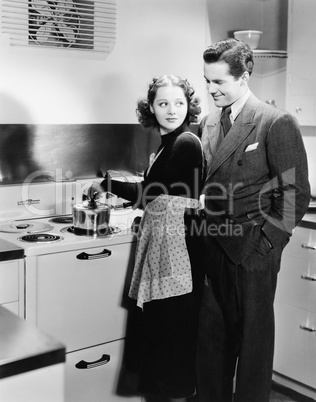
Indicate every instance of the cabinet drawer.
{"type": "Point", "coordinates": [9, 281]}
{"type": "Point", "coordinates": [295, 344]}
{"type": "Point", "coordinates": [302, 244]}
{"type": "Point", "coordinates": [101, 382]}
{"type": "Point", "coordinates": [297, 283]}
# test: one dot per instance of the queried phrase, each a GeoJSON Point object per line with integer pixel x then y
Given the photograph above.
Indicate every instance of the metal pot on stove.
{"type": "Point", "coordinates": [91, 217]}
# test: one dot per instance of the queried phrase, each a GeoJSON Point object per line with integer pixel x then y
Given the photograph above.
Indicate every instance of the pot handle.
{"type": "Point", "coordinates": [103, 254]}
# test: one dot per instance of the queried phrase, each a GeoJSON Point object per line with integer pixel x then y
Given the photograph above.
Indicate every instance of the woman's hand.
{"type": "Point", "coordinates": [94, 191]}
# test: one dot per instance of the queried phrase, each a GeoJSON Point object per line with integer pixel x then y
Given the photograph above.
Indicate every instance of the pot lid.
{"type": "Point", "coordinates": [25, 226]}
{"type": "Point", "coordinates": [87, 207]}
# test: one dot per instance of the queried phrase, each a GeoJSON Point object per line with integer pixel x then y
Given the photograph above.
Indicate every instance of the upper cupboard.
{"type": "Point", "coordinates": [301, 71]}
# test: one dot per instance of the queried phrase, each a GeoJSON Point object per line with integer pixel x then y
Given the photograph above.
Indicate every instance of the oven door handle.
{"type": "Point", "coordinates": [88, 365]}
{"type": "Point", "coordinates": [103, 254]}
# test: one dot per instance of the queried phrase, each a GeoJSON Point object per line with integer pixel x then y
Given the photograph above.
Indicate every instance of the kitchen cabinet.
{"type": "Point", "coordinates": [81, 302]}
{"type": "Point", "coordinates": [11, 286]}
{"type": "Point", "coordinates": [301, 73]}
{"type": "Point", "coordinates": [295, 313]}
{"type": "Point", "coordinates": [12, 277]}
{"type": "Point", "coordinates": [96, 382]}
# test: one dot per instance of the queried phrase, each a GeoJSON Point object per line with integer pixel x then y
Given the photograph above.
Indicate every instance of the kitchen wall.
{"type": "Point", "coordinates": [50, 99]}
{"type": "Point", "coordinates": [154, 37]}
{"type": "Point", "coordinates": [62, 152]}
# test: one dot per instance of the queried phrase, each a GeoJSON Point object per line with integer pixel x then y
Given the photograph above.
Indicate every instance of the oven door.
{"type": "Point", "coordinates": [78, 296]}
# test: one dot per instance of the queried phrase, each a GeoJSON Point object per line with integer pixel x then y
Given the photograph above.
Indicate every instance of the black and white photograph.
{"type": "Point", "coordinates": [157, 201]}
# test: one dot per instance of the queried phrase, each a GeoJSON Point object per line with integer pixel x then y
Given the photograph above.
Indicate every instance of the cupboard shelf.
{"type": "Point", "coordinates": [269, 54]}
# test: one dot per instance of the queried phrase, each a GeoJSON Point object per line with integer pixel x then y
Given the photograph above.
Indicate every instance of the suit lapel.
{"type": "Point", "coordinates": [209, 141]}
{"type": "Point", "coordinates": [241, 128]}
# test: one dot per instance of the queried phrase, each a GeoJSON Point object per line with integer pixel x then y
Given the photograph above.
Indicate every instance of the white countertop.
{"type": "Point", "coordinates": [310, 217]}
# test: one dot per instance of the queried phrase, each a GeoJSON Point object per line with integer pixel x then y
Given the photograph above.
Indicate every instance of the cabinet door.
{"type": "Point", "coordinates": [303, 107]}
{"type": "Point", "coordinates": [9, 281]}
{"type": "Point", "coordinates": [301, 96]}
{"type": "Point", "coordinates": [297, 283]}
{"type": "Point", "coordinates": [81, 301]}
{"type": "Point", "coordinates": [302, 245]}
{"type": "Point", "coordinates": [295, 310]}
{"type": "Point", "coordinates": [101, 381]}
{"type": "Point", "coordinates": [295, 344]}
{"type": "Point", "coordinates": [12, 286]}
{"type": "Point", "coordinates": [297, 277]}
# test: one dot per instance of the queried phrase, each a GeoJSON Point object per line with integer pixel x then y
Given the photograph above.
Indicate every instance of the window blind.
{"type": "Point", "coordinates": [85, 25]}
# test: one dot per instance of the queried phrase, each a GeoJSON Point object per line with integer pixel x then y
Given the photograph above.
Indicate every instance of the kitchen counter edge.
{"type": "Point", "coordinates": [309, 220]}
{"type": "Point", "coordinates": [10, 251]}
{"type": "Point", "coordinates": [24, 348]}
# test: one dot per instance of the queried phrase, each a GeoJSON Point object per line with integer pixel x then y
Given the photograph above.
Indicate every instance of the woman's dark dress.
{"type": "Point", "coordinates": [166, 329]}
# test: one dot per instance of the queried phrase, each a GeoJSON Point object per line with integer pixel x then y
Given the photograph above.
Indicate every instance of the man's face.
{"type": "Point", "coordinates": [224, 88]}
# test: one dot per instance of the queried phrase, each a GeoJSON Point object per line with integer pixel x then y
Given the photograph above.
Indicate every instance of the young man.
{"type": "Point", "coordinates": [256, 192]}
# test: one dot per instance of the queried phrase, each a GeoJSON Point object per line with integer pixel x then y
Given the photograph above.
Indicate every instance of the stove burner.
{"type": "Point", "coordinates": [102, 232]}
{"type": "Point", "coordinates": [62, 219]}
{"type": "Point", "coordinates": [40, 238]}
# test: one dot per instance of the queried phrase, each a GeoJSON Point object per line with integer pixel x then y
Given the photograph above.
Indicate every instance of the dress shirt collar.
{"type": "Point", "coordinates": [238, 105]}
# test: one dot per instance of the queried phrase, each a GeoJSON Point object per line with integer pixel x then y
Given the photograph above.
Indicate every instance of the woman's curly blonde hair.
{"type": "Point", "coordinates": [148, 119]}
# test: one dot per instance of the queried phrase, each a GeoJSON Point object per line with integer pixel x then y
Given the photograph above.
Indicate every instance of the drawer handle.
{"type": "Point", "coordinates": [309, 329]}
{"type": "Point", "coordinates": [308, 246]}
{"type": "Point", "coordinates": [308, 278]}
{"type": "Point", "coordinates": [85, 256]}
{"type": "Point", "coordinates": [88, 365]}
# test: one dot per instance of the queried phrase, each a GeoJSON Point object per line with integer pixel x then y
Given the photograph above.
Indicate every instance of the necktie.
{"type": "Point", "coordinates": [225, 120]}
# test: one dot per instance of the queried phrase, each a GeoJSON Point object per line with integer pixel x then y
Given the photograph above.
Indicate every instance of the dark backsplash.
{"type": "Point", "coordinates": [72, 151]}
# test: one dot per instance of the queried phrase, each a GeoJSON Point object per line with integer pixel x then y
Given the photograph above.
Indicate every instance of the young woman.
{"type": "Point", "coordinates": [174, 178]}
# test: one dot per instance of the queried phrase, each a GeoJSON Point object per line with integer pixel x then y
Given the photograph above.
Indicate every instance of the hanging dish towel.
{"type": "Point", "coordinates": [162, 265]}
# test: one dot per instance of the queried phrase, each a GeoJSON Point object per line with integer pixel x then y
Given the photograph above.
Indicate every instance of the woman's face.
{"type": "Point", "coordinates": [170, 108]}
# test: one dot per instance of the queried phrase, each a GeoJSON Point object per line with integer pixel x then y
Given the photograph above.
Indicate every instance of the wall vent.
{"type": "Point", "coordinates": [85, 25]}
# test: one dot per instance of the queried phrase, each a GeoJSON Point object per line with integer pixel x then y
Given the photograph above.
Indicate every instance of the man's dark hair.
{"type": "Point", "coordinates": [237, 54]}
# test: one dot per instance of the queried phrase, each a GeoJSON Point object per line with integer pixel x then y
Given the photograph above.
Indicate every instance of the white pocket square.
{"type": "Point", "coordinates": [252, 147]}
